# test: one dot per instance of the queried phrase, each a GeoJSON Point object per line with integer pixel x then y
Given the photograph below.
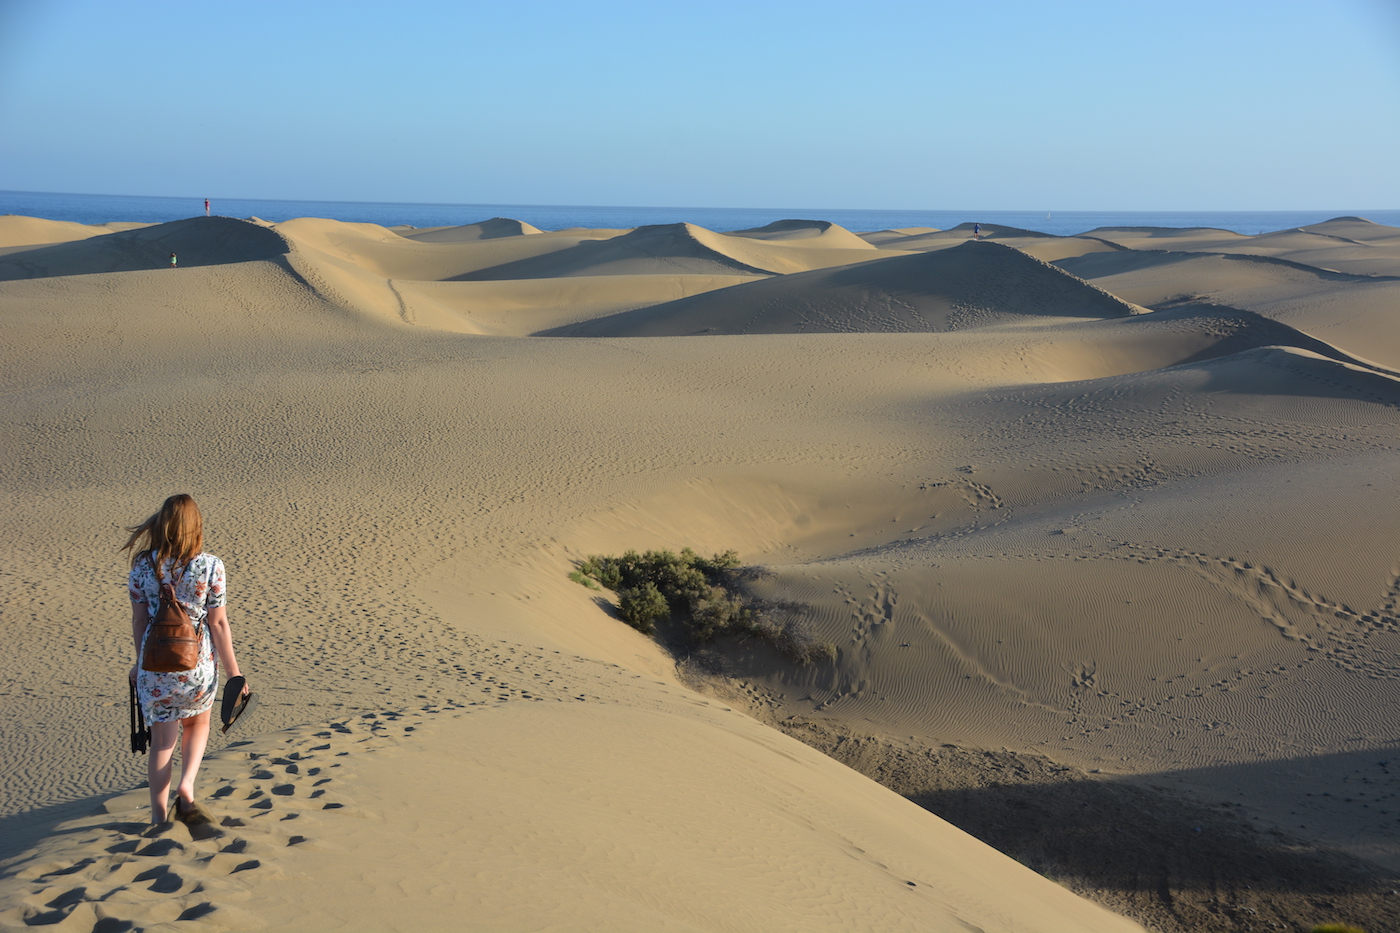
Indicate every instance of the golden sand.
{"type": "Point", "coordinates": [1123, 504]}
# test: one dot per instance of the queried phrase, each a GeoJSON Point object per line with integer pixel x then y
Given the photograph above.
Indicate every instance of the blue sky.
{"type": "Point", "coordinates": [1005, 105]}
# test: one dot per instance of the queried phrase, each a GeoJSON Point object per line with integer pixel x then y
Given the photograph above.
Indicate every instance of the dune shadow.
{"type": "Point", "coordinates": [1171, 860]}
{"type": "Point", "coordinates": [561, 262]}
{"type": "Point", "coordinates": [20, 832]}
{"type": "Point", "coordinates": [197, 241]}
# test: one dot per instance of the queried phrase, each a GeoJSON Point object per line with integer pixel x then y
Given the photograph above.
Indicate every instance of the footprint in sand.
{"type": "Point", "coordinates": [113, 870]}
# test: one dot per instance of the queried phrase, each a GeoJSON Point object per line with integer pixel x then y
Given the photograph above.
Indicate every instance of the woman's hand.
{"type": "Point", "coordinates": [132, 676]}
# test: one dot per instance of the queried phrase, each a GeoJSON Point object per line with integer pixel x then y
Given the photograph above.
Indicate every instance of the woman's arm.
{"type": "Point", "coordinates": [140, 618]}
{"type": "Point", "coordinates": [219, 630]}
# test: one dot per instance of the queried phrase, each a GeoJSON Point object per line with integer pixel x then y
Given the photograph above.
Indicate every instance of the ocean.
{"type": "Point", "coordinates": [103, 208]}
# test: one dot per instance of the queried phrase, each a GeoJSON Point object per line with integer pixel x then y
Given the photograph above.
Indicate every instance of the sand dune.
{"type": "Point", "coordinates": [391, 256]}
{"type": "Point", "coordinates": [1054, 249]}
{"type": "Point", "coordinates": [1348, 310]}
{"type": "Point", "coordinates": [485, 230]}
{"type": "Point", "coordinates": [383, 864]}
{"type": "Point", "coordinates": [685, 249]}
{"type": "Point", "coordinates": [522, 307]}
{"type": "Point", "coordinates": [1209, 273]}
{"type": "Point", "coordinates": [1137, 236]}
{"type": "Point", "coordinates": [970, 285]}
{"type": "Point", "coordinates": [1117, 590]}
{"type": "Point", "coordinates": [16, 230]}
{"type": "Point", "coordinates": [372, 272]}
{"type": "Point", "coordinates": [673, 248]}
{"type": "Point", "coordinates": [879, 238]}
{"type": "Point", "coordinates": [942, 239]}
{"type": "Point", "coordinates": [1343, 244]}
{"type": "Point", "coordinates": [199, 241]}
{"type": "Point", "coordinates": [1186, 334]}
{"type": "Point", "coordinates": [805, 233]}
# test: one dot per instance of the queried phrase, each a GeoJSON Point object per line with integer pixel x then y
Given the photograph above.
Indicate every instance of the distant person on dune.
{"type": "Point", "coordinates": [206, 207]}
{"type": "Point", "coordinates": [168, 549]}
{"type": "Point", "coordinates": [172, 260]}
{"type": "Point", "coordinates": [977, 231]}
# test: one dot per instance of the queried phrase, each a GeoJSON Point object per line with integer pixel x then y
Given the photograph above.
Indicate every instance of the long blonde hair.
{"type": "Point", "coordinates": [176, 533]}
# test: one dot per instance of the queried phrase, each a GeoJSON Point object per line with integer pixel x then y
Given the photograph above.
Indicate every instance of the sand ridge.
{"type": "Point", "coordinates": [17, 230]}
{"type": "Point", "coordinates": [485, 230]}
{"type": "Point", "coordinates": [801, 232]}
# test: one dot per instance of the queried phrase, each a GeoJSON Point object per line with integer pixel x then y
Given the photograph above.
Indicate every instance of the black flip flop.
{"type": "Point", "coordinates": [235, 704]}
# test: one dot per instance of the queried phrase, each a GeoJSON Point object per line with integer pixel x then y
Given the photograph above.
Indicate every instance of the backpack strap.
{"type": "Point", "coordinates": [164, 585]}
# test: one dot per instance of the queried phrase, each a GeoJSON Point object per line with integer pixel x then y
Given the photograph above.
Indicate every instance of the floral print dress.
{"type": "Point", "coordinates": [199, 586]}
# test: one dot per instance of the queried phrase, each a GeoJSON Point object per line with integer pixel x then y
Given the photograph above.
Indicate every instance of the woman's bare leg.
{"type": "Point", "coordinates": [163, 738]}
{"type": "Point", "coordinates": [192, 745]}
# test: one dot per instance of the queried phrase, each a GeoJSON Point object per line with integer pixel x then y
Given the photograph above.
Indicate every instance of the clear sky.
{"type": "Point", "coordinates": [935, 104]}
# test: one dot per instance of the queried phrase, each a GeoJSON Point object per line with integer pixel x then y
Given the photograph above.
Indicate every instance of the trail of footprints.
{"type": "Point", "coordinates": [113, 872]}
{"type": "Point", "coordinates": [266, 795]}
{"type": "Point", "coordinates": [1331, 631]}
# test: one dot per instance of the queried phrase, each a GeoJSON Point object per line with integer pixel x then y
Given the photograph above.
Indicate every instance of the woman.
{"type": "Point", "coordinates": [177, 705]}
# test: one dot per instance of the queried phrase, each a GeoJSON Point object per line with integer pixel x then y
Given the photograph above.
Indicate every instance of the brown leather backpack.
{"type": "Point", "coordinates": [172, 644]}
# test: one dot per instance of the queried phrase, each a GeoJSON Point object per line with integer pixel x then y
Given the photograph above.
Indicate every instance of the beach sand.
{"type": "Point", "coordinates": [1103, 530]}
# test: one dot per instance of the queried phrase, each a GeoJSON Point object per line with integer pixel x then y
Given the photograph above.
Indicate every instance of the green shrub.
{"type": "Point", "coordinates": [1336, 928]}
{"type": "Point", "coordinates": [641, 606]}
{"type": "Point", "coordinates": [718, 612]}
{"type": "Point", "coordinates": [690, 589]}
{"type": "Point", "coordinates": [580, 577]}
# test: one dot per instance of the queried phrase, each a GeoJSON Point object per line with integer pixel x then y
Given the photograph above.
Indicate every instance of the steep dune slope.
{"type": "Point", "coordinates": [484, 230]}
{"type": "Point", "coordinates": [198, 241]}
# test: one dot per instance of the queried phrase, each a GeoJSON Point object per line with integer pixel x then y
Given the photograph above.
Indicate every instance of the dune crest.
{"type": "Point", "coordinates": [18, 230]}
{"type": "Point", "coordinates": [806, 233]}
{"type": "Point", "coordinates": [483, 230]}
